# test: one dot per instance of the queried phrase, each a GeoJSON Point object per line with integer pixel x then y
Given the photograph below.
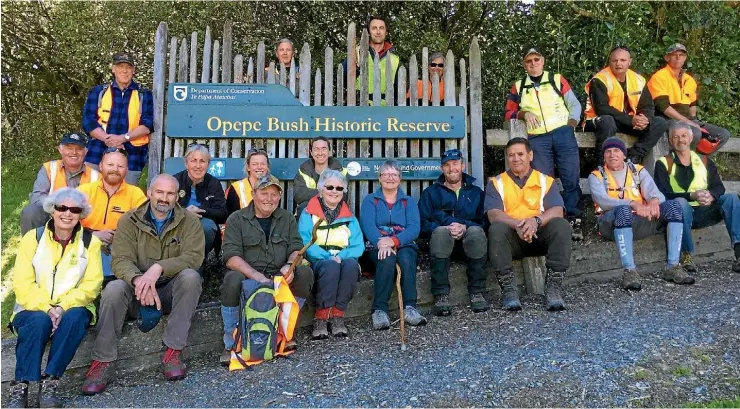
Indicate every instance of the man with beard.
{"type": "Point", "coordinates": [451, 213]}
{"type": "Point", "coordinates": [305, 182]}
{"type": "Point", "coordinates": [69, 171]}
{"type": "Point", "coordinates": [156, 251]}
{"type": "Point", "coordinates": [110, 198]}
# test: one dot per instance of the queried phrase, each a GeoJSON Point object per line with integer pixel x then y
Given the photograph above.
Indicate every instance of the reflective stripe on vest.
{"type": "Point", "coordinates": [395, 62]}
{"type": "Point", "coordinates": [527, 201]}
{"type": "Point", "coordinates": [105, 106]}
{"type": "Point", "coordinates": [544, 102]}
{"type": "Point", "coordinates": [635, 85]}
{"type": "Point", "coordinates": [699, 182]}
{"type": "Point", "coordinates": [332, 238]}
{"type": "Point", "coordinates": [244, 194]}
{"type": "Point", "coordinates": [58, 177]}
{"type": "Point", "coordinates": [630, 190]}
{"type": "Point", "coordinates": [312, 184]}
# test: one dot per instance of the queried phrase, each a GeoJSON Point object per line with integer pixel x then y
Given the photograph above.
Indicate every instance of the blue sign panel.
{"type": "Point", "coordinates": [271, 111]}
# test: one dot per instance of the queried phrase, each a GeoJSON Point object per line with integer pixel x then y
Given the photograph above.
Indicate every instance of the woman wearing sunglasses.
{"type": "Point", "coordinates": [436, 67]}
{"type": "Point", "coordinates": [334, 254]}
{"type": "Point", "coordinates": [56, 277]}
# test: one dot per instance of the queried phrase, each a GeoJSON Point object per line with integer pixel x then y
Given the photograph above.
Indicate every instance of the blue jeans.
{"type": "Point", "coordinates": [559, 148]}
{"type": "Point", "coordinates": [34, 329]}
{"type": "Point", "coordinates": [210, 229]}
{"type": "Point", "coordinates": [385, 277]}
{"type": "Point", "coordinates": [727, 207]}
{"type": "Point", "coordinates": [107, 269]}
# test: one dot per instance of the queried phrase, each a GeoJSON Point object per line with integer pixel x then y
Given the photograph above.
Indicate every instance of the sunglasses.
{"type": "Point", "coordinates": [119, 150]}
{"type": "Point", "coordinates": [434, 64]}
{"type": "Point", "coordinates": [72, 209]}
{"type": "Point", "coordinates": [253, 151]}
{"type": "Point", "coordinates": [338, 188]}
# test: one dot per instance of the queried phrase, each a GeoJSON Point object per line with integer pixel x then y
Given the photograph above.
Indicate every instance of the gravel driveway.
{"type": "Point", "coordinates": [667, 345]}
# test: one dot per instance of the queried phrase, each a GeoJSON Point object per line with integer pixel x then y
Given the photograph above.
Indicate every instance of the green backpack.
{"type": "Point", "coordinates": [258, 323]}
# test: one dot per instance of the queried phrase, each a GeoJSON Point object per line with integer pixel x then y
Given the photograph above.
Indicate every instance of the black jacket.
{"type": "Point", "coordinates": [684, 176]}
{"type": "Point", "coordinates": [209, 193]}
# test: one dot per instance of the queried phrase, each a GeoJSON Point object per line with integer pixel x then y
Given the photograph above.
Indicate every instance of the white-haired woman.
{"type": "Point", "coordinates": [202, 193]}
{"type": "Point", "coordinates": [56, 277]}
{"type": "Point", "coordinates": [334, 255]}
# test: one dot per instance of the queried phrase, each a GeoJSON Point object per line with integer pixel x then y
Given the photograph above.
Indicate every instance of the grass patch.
{"type": "Point", "coordinates": [682, 371]}
{"type": "Point", "coordinates": [640, 375]}
{"type": "Point", "coordinates": [723, 403]}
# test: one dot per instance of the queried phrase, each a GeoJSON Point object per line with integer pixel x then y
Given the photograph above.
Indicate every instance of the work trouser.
{"type": "Point", "coordinates": [441, 246]}
{"type": "Point", "coordinates": [726, 208]}
{"type": "Point", "coordinates": [231, 288]}
{"type": "Point", "coordinates": [560, 148]}
{"type": "Point", "coordinates": [605, 127]}
{"type": "Point", "coordinates": [385, 277]}
{"type": "Point", "coordinates": [179, 297]}
{"type": "Point", "coordinates": [335, 282]}
{"type": "Point", "coordinates": [553, 241]}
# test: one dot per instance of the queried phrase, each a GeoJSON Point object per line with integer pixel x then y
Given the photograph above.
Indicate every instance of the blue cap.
{"type": "Point", "coordinates": [74, 138]}
{"type": "Point", "coordinates": [451, 154]}
{"type": "Point", "coordinates": [148, 318]}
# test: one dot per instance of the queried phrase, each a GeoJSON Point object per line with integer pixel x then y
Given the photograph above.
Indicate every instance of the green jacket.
{"type": "Point", "coordinates": [306, 181]}
{"type": "Point", "coordinates": [136, 245]}
{"type": "Point", "coordinates": [245, 238]}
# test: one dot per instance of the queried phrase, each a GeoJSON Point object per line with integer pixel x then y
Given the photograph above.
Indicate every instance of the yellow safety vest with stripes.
{"type": "Point", "coordinates": [701, 176]}
{"type": "Point", "coordinates": [527, 201]}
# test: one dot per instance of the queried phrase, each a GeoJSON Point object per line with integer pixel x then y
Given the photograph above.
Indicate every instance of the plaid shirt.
{"type": "Point", "coordinates": [118, 122]}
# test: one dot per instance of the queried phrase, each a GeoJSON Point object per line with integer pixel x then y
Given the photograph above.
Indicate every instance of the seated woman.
{"type": "Point", "coordinates": [56, 277]}
{"type": "Point", "coordinates": [390, 222]}
{"type": "Point", "coordinates": [334, 254]}
{"type": "Point", "coordinates": [239, 194]}
{"type": "Point", "coordinates": [202, 193]}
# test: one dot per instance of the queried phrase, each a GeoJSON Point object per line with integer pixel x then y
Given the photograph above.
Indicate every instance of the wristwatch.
{"type": "Point", "coordinates": [127, 136]}
{"type": "Point", "coordinates": [538, 220]}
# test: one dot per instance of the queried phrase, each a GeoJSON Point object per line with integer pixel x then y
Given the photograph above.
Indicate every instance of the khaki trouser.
{"type": "Point", "coordinates": [179, 298]}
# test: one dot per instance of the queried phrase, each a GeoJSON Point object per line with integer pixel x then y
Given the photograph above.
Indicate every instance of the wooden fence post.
{"type": "Point", "coordinates": [158, 94]}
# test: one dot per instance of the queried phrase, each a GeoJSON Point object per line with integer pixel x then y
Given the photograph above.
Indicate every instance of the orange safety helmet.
{"type": "Point", "coordinates": [707, 144]}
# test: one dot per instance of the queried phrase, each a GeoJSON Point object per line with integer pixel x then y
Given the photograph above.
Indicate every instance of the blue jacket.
{"type": "Point", "coordinates": [354, 246]}
{"type": "Point", "coordinates": [401, 222]}
{"type": "Point", "coordinates": [439, 206]}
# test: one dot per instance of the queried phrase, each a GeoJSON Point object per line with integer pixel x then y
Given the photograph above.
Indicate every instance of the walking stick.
{"type": "Point", "coordinates": [400, 307]}
{"type": "Point", "coordinates": [302, 251]}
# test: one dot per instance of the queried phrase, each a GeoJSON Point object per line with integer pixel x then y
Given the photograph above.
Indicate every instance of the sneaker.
{"type": "Point", "coordinates": [677, 275]}
{"type": "Point", "coordinates": [413, 317]}
{"type": "Point", "coordinates": [577, 230]}
{"type": "Point", "coordinates": [381, 320]}
{"type": "Point", "coordinates": [338, 329]}
{"type": "Point", "coordinates": [96, 379]}
{"type": "Point", "coordinates": [736, 265]}
{"type": "Point", "coordinates": [631, 280]}
{"type": "Point", "coordinates": [687, 262]}
{"type": "Point", "coordinates": [320, 330]}
{"type": "Point", "coordinates": [478, 303]}
{"type": "Point", "coordinates": [17, 395]}
{"type": "Point", "coordinates": [442, 305]}
{"type": "Point", "coordinates": [225, 358]}
{"type": "Point", "coordinates": [173, 368]}
{"type": "Point", "coordinates": [48, 397]}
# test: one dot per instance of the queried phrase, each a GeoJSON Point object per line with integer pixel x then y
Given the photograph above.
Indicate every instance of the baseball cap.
{"type": "Point", "coordinates": [266, 181]}
{"type": "Point", "coordinates": [148, 317]}
{"type": "Point", "coordinates": [532, 50]}
{"type": "Point", "coordinates": [451, 154]}
{"type": "Point", "coordinates": [676, 47]}
{"type": "Point", "coordinates": [123, 57]}
{"type": "Point", "coordinates": [74, 138]}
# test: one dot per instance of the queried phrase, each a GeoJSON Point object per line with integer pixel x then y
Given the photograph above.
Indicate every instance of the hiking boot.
{"type": "Point", "coordinates": [478, 303]}
{"type": "Point", "coordinates": [48, 397]}
{"type": "Point", "coordinates": [552, 290]}
{"type": "Point", "coordinates": [338, 329]}
{"type": "Point", "coordinates": [631, 280]}
{"type": "Point", "coordinates": [677, 275]}
{"type": "Point", "coordinates": [291, 345]}
{"type": "Point", "coordinates": [17, 395]}
{"type": "Point", "coordinates": [320, 330]}
{"type": "Point", "coordinates": [381, 320]}
{"type": "Point", "coordinates": [442, 305]}
{"type": "Point", "coordinates": [509, 290]}
{"type": "Point", "coordinates": [577, 230]}
{"type": "Point", "coordinates": [225, 358]}
{"type": "Point", "coordinates": [413, 317]}
{"type": "Point", "coordinates": [687, 261]}
{"type": "Point", "coordinates": [96, 378]}
{"type": "Point", "coordinates": [736, 265]}
{"type": "Point", "coordinates": [173, 368]}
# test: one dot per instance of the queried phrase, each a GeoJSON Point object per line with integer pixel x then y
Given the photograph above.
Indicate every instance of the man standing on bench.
{"type": "Point", "coordinates": [545, 101]}
{"type": "Point", "coordinates": [693, 180]}
{"type": "Point", "coordinates": [526, 215]}
{"type": "Point", "coordinates": [305, 182]}
{"type": "Point", "coordinates": [630, 207]}
{"type": "Point", "coordinates": [619, 101]}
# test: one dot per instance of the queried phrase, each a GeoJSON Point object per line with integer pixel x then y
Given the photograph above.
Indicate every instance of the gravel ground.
{"type": "Point", "coordinates": [664, 346]}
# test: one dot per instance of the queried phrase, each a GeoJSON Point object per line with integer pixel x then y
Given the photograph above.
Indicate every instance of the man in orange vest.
{"type": "Point", "coordinates": [526, 210]}
{"type": "Point", "coordinates": [619, 101]}
{"type": "Point", "coordinates": [629, 207]}
{"type": "Point", "coordinates": [69, 171]}
{"type": "Point", "coordinates": [120, 114]}
{"type": "Point", "coordinates": [674, 94]}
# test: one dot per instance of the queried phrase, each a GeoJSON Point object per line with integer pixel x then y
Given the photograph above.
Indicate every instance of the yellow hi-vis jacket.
{"type": "Point", "coordinates": [701, 176]}
{"type": "Point", "coordinates": [635, 85]}
{"type": "Point", "coordinates": [546, 102]}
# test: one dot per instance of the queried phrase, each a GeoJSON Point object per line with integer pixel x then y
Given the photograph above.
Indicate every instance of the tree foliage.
{"type": "Point", "coordinates": [54, 51]}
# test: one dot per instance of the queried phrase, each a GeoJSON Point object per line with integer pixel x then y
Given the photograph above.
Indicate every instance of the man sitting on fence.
{"type": "Point", "coordinates": [693, 181]}
{"type": "Point", "coordinates": [451, 211]}
{"type": "Point", "coordinates": [156, 250]}
{"type": "Point", "coordinates": [618, 101]}
{"type": "Point", "coordinates": [526, 215]}
{"type": "Point", "coordinates": [305, 182]}
{"type": "Point", "coordinates": [110, 198]}
{"type": "Point", "coordinates": [630, 207]}
{"type": "Point", "coordinates": [69, 171]}
{"type": "Point", "coordinates": [545, 101]}
{"type": "Point", "coordinates": [262, 241]}
{"type": "Point", "coordinates": [674, 94]}
{"type": "Point", "coordinates": [120, 114]}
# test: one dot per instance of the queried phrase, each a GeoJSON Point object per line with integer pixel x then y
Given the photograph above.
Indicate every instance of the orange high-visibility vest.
{"type": "Point", "coordinates": [105, 105]}
{"type": "Point", "coordinates": [524, 202]}
{"type": "Point", "coordinates": [664, 84]}
{"type": "Point", "coordinates": [243, 190]}
{"type": "Point", "coordinates": [635, 85]}
{"type": "Point", "coordinates": [58, 178]}
{"type": "Point", "coordinates": [630, 190]}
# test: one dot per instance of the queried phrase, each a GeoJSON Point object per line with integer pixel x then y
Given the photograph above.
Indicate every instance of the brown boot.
{"type": "Point", "coordinates": [173, 368]}
{"type": "Point", "coordinates": [687, 261]}
{"type": "Point", "coordinates": [677, 275]}
{"type": "Point", "coordinates": [96, 379]}
{"type": "Point", "coordinates": [225, 358]}
{"type": "Point", "coordinates": [631, 280]}
{"type": "Point", "coordinates": [338, 329]}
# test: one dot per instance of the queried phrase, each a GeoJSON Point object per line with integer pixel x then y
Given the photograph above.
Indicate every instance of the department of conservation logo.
{"type": "Point", "coordinates": [180, 92]}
